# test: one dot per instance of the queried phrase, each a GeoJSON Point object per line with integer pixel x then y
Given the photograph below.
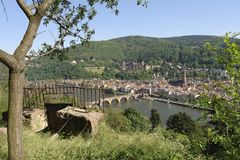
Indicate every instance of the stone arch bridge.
{"type": "Point", "coordinates": [117, 99]}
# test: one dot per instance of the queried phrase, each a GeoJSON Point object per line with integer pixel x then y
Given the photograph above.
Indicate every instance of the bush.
{"type": "Point", "coordinates": [155, 118]}
{"type": "Point", "coordinates": [199, 139]}
{"type": "Point", "coordinates": [118, 122]}
{"type": "Point", "coordinates": [181, 123]}
{"type": "Point", "coordinates": [138, 122]}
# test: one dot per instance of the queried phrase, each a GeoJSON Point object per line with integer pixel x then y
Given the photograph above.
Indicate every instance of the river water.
{"type": "Point", "coordinates": [165, 109]}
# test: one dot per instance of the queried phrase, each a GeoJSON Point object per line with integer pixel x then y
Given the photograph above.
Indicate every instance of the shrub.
{"type": "Point", "coordinates": [138, 122]}
{"type": "Point", "coordinates": [155, 118]}
{"type": "Point", "coordinates": [199, 139]}
{"type": "Point", "coordinates": [118, 122]}
{"type": "Point", "coordinates": [181, 123]}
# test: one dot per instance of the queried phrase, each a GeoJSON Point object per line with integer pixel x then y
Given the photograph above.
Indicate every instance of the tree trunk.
{"type": "Point", "coordinates": [15, 125]}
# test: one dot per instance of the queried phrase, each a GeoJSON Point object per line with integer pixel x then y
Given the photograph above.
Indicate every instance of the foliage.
{"type": "Point", "coordinates": [138, 122]}
{"type": "Point", "coordinates": [56, 69]}
{"type": "Point", "coordinates": [224, 131]}
{"type": "Point", "coordinates": [167, 53]}
{"type": "Point", "coordinates": [155, 118]}
{"type": "Point", "coordinates": [199, 139]}
{"type": "Point", "coordinates": [106, 144]}
{"type": "Point", "coordinates": [181, 123]}
{"type": "Point", "coordinates": [118, 122]}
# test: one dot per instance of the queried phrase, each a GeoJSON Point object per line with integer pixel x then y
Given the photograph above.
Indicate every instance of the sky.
{"type": "Point", "coordinates": [162, 18]}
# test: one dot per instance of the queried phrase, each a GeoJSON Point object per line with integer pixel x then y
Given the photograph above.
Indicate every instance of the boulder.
{"type": "Point", "coordinates": [36, 119]}
{"type": "Point", "coordinates": [74, 121]}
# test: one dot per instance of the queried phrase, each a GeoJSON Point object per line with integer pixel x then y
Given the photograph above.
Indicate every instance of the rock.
{"type": "Point", "coordinates": [3, 131]}
{"type": "Point", "coordinates": [36, 119]}
{"type": "Point", "coordinates": [71, 120]}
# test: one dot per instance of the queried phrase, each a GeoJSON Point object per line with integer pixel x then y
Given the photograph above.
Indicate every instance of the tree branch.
{"type": "Point", "coordinates": [4, 9]}
{"type": "Point", "coordinates": [26, 9]}
{"type": "Point", "coordinates": [51, 50]}
{"type": "Point", "coordinates": [28, 38]}
{"type": "Point", "coordinates": [68, 31]}
{"type": "Point", "coordinates": [44, 6]}
{"type": "Point", "coordinates": [8, 60]}
{"type": "Point", "coordinates": [34, 23]}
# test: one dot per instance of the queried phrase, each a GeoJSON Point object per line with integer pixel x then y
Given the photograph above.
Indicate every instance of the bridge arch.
{"type": "Point", "coordinates": [114, 101]}
{"type": "Point", "coordinates": [132, 97]}
{"type": "Point", "coordinates": [123, 99]}
{"type": "Point", "coordinates": [106, 102]}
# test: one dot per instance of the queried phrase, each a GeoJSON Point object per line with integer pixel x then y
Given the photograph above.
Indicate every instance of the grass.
{"type": "Point", "coordinates": [106, 144]}
{"type": "Point", "coordinates": [97, 70]}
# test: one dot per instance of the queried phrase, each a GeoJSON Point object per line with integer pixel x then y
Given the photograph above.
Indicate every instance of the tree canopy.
{"type": "Point", "coordinates": [224, 130]}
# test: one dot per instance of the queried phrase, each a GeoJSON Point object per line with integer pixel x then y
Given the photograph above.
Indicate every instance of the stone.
{"type": "Point", "coordinates": [74, 121]}
{"type": "Point", "coordinates": [36, 119]}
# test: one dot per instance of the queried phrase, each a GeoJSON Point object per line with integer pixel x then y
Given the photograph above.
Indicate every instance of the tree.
{"type": "Point", "coordinates": [71, 19]}
{"type": "Point", "coordinates": [224, 131]}
{"type": "Point", "coordinates": [138, 122]}
{"type": "Point", "coordinates": [155, 118]}
{"type": "Point", "coordinates": [181, 123]}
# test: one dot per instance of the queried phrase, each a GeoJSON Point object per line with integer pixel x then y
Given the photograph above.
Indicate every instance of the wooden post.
{"type": "Point", "coordinates": [103, 95]}
{"type": "Point", "coordinates": [99, 96]}
{"type": "Point", "coordinates": [95, 95]}
{"type": "Point", "coordinates": [91, 95]}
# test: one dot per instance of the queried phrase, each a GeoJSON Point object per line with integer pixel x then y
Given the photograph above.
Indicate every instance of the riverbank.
{"type": "Point", "coordinates": [156, 98]}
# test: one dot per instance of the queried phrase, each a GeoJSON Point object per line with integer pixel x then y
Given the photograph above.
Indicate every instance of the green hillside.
{"type": "Point", "coordinates": [186, 51]}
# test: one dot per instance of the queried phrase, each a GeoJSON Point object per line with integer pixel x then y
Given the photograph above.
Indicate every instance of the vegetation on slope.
{"type": "Point", "coordinates": [107, 144]}
{"type": "Point", "coordinates": [186, 51]}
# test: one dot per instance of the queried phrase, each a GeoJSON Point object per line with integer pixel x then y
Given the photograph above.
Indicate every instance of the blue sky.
{"type": "Point", "coordinates": [162, 18]}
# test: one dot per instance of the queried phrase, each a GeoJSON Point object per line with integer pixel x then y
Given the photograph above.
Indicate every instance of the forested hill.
{"type": "Point", "coordinates": [109, 55]}
{"type": "Point", "coordinates": [185, 49]}
{"type": "Point", "coordinates": [184, 40]}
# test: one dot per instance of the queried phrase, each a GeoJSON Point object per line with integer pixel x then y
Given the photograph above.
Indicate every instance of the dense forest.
{"type": "Point", "coordinates": [103, 59]}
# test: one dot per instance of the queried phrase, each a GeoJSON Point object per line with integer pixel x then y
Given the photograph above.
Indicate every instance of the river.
{"type": "Point", "coordinates": [164, 109]}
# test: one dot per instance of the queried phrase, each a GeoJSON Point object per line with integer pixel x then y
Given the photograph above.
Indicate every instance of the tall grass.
{"type": "Point", "coordinates": [106, 144]}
